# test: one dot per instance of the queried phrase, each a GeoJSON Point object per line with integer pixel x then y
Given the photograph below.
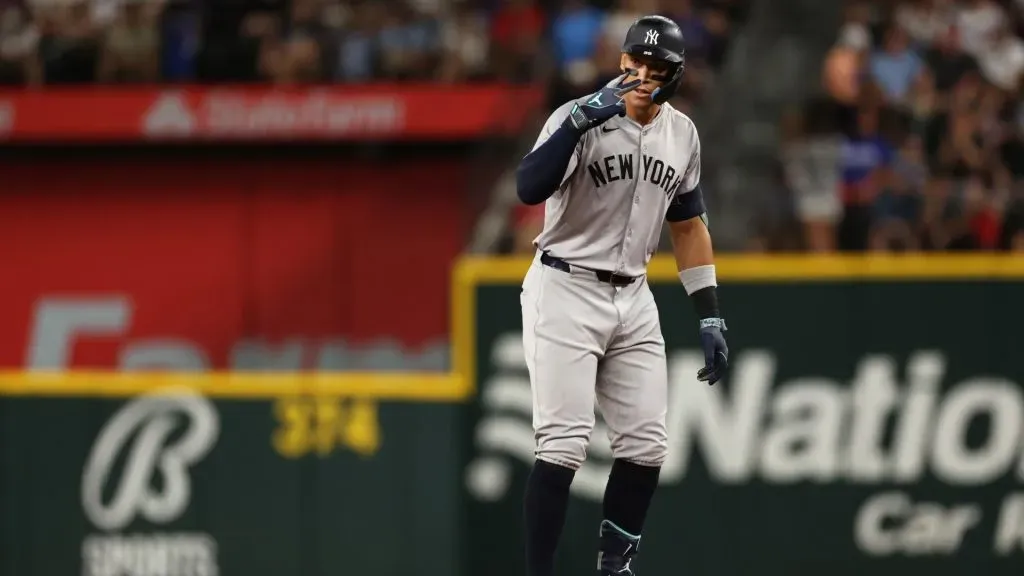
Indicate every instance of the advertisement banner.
{"type": "Point", "coordinates": [873, 423]}
{"type": "Point", "coordinates": [327, 113]}
{"type": "Point", "coordinates": [175, 483]}
{"type": "Point", "coordinates": [189, 265]}
{"type": "Point", "coordinates": [300, 419]}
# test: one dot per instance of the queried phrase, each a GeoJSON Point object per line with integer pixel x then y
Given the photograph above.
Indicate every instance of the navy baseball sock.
{"type": "Point", "coordinates": [547, 497]}
{"type": "Point", "coordinates": [628, 495]}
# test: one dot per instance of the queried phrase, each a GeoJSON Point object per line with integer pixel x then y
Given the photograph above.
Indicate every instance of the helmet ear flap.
{"type": "Point", "coordinates": [667, 90]}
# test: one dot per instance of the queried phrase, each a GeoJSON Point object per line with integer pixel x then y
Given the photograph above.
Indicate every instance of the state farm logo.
{"type": "Point", "coordinates": [170, 115]}
{"type": "Point", "coordinates": [240, 114]}
{"type": "Point", "coordinates": [310, 114]}
{"type": "Point", "coordinates": [159, 437]}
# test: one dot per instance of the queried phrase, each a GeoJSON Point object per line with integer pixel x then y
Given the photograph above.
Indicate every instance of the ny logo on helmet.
{"type": "Point", "coordinates": [652, 37]}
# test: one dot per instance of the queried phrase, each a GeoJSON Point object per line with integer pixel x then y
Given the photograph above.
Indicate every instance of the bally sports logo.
{"type": "Point", "coordinates": [810, 430]}
{"type": "Point", "coordinates": [147, 435]}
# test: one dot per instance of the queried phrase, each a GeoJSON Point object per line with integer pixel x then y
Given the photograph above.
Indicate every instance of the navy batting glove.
{"type": "Point", "coordinates": [600, 106]}
{"type": "Point", "coordinates": [716, 351]}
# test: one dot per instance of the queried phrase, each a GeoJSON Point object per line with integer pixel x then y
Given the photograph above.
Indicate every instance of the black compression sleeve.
{"type": "Point", "coordinates": [540, 172]}
{"type": "Point", "coordinates": [705, 302]}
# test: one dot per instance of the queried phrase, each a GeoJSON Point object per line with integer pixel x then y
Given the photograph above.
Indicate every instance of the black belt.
{"type": "Point", "coordinates": [602, 275]}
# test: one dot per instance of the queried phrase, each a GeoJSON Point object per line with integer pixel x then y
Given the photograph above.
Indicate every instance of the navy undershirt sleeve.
{"type": "Point", "coordinates": [686, 206]}
{"type": "Point", "coordinates": [540, 172]}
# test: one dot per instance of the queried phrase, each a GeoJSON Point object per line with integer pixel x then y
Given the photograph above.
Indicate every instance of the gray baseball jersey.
{"type": "Point", "coordinates": [609, 210]}
{"type": "Point", "coordinates": [585, 339]}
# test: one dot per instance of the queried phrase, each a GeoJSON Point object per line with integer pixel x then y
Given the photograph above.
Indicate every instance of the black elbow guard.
{"type": "Point", "coordinates": [687, 205]}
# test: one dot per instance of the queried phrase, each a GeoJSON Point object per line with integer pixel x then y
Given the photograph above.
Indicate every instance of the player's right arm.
{"type": "Point", "coordinates": [553, 159]}
{"type": "Point", "coordinates": [556, 153]}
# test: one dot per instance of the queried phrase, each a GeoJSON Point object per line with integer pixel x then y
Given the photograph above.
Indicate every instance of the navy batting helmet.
{"type": "Point", "coordinates": [660, 38]}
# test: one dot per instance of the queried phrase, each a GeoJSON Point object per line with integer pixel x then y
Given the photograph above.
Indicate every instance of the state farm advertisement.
{"type": "Point", "coordinates": [188, 265]}
{"type": "Point", "coordinates": [355, 113]}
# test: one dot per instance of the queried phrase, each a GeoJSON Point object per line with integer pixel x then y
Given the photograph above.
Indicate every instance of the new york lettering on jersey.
{"type": "Point", "coordinates": [609, 210]}
{"type": "Point", "coordinates": [616, 167]}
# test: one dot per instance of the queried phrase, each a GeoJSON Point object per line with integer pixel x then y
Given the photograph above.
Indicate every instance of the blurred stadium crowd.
{"type": "Point", "coordinates": [50, 42]}
{"type": "Point", "coordinates": [914, 143]}
{"type": "Point", "coordinates": [922, 115]}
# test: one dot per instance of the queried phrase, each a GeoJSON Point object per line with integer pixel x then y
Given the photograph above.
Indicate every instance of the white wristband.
{"type": "Point", "coordinates": [698, 277]}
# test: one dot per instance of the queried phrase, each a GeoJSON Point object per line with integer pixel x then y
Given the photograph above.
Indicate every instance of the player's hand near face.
{"type": "Point", "coordinates": [652, 73]}
{"type": "Point", "coordinates": [541, 172]}
{"type": "Point", "coordinates": [601, 106]}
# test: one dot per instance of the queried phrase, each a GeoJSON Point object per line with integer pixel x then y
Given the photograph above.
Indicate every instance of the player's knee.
{"type": "Point", "coordinates": [650, 447]}
{"type": "Point", "coordinates": [652, 454]}
{"type": "Point", "coordinates": [646, 454]}
{"type": "Point", "coordinates": [568, 451]}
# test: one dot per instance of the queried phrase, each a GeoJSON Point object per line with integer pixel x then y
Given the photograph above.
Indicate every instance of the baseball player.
{"type": "Point", "coordinates": [610, 168]}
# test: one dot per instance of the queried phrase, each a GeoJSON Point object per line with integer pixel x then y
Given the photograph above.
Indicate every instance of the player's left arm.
{"type": "Point", "coordinates": [695, 259]}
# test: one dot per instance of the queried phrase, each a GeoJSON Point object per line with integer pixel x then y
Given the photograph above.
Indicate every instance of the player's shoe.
{"type": "Point", "coordinates": [616, 551]}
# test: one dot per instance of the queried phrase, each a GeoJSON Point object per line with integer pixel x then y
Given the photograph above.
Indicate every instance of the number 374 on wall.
{"type": "Point", "coordinates": [321, 426]}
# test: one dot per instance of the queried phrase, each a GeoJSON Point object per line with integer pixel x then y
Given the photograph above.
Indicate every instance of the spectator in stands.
{"type": "Point", "coordinates": [1011, 235]}
{"type": "Point", "coordinates": [1002, 58]}
{"type": "Point", "coordinates": [308, 22]}
{"type": "Point", "coordinates": [130, 45]}
{"type": "Point", "coordinates": [936, 212]}
{"type": "Point", "coordinates": [958, 141]}
{"type": "Point", "coordinates": [69, 41]}
{"type": "Point", "coordinates": [576, 32]}
{"type": "Point", "coordinates": [925, 21]}
{"type": "Point", "coordinates": [866, 161]}
{"type": "Point", "coordinates": [855, 29]}
{"type": "Point", "coordinates": [943, 184]}
{"type": "Point", "coordinates": [1011, 143]}
{"type": "Point", "coordinates": [924, 103]}
{"type": "Point", "coordinates": [357, 47]}
{"type": "Point", "coordinates": [516, 38]}
{"type": "Point", "coordinates": [180, 41]}
{"type": "Point", "coordinates": [811, 151]}
{"type": "Point", "coordinates": [947, 60]}
{"type": "Point", "coordinates": [962, 216]}
{"type": "Point", "coordinates": [895, 68]}
{"type": "Point", "coordinates": [19, 39]}
{"type": "Point", "coordinates": [410, 44]}
{"type": "Point", "coordinates": [291, 47]}
{"type": "Point", "coordinates": [465, 44]}
{"type": "Point", "coordinates": [966, 222]}
{"type": "Point", "coordinates": [896, 211]}
{"type": "Point", "coordinates": [985, 213]}
{"type": "Point", "coordinates": [233, 38]}
{"type": "Point", "coordinates": [977, 21]}
{"type": "Point", "coordinates": [842, 74]}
